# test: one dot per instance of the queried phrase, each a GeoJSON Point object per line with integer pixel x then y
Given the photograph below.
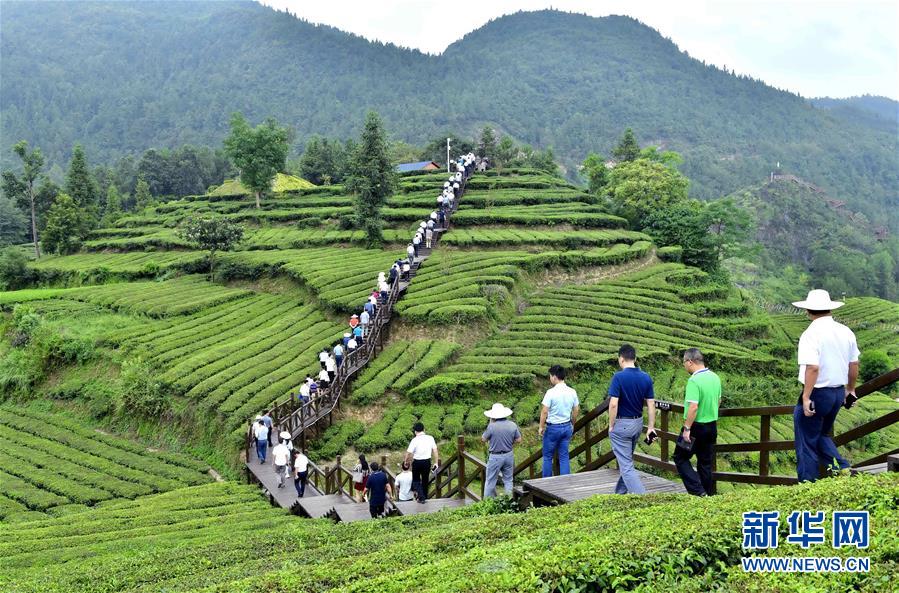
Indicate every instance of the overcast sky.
{"type": "Point", "coordinates": [815, 48]}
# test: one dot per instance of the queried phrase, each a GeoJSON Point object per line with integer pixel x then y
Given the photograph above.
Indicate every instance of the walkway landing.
{"type": "Point", "coordinates": [284, 497]}
{"type": "Point", "coordinates": [562, 489]}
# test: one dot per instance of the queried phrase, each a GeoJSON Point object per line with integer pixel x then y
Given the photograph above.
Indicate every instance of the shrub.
{"type": "Point", "coordinates": [671, 253]}
{"type": "Point", "coordinates": [874, 363]}
{"type": "Point", "coordinates": [14, 271]}
{"type": "Point", "coordinates": [141, 392]}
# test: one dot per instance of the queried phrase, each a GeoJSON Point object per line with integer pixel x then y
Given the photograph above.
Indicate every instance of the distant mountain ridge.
{"type": "Point", "coordinates": [123, 77]}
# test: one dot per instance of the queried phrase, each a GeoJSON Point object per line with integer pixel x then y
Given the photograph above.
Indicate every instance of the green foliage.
{"type": "Point", "coordinates": [505, 153]}
{"type": "Point", "coordinates": [14, 272]}
{"type": "Point", "coordinates": [640, 187]}
{"type": "Point", "coordinates": [21, 189]}
{"type": "Point", "coordinates": [487, 144]}
{"type": "Point", "coordinates": [185, 171]}
{"type": "Point", "coordinates": [142, 195]}
{"type": "Point", "coordinates": [671, 253]}
{"type": "Point", "coordinates": [67, 225]}
{"type": "Point", "coordinates": [324, 161]}
{"type": "Point", "coordinates": [627, 148]}
{"type": "Point", "coordinates": [435, 150]}
{"type": "Point", "coordinates": [80, 184]}
{"type": "Point", "coordinates": [873, 363]}
{"type": "Point", "coordinates": [372, 179]}
{"type": "Point", "coordinates": [259, 153]}
{"type": "Point", "coordinates": [113, 208]}
{"type": "Point", "coordinates": [597, 174]}
{"type": "Point", "coordinates": [13, 223]}
{"type": "Point", "coordinates": [212, 235]}
{"type": "Point", "coordinates": [142, 393]}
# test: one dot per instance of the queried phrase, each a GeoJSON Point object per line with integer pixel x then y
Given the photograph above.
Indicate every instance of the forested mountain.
{"type": "Point", "coordinates": [803, 237]}
{"type": "Point", "coordinates": [123, 77]}
{"type": "Point", "coordinates": [881, 113]}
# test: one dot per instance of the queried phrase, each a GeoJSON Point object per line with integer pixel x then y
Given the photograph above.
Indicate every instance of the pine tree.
{"type": "Point", "coordinates": [505, 153]}
{"type": "Point", "coordinates": [80, 184]}
{"type": "Point", "coordinates": [373, 179]}
{"type": "Point", "coordinates": [627, 149]}
{"type": "Point", "coordinates": [113, 203]}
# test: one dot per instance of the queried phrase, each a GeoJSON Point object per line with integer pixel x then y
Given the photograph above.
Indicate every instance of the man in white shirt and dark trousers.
{"type": "Point", "coordinates": [421, 450]}
{"type": "Point", "coordinates": [301, 473]}
{"type": "Point", "coordinates": [557, 417]}
{"type": "Point", "coordinates": [501, 434]}
{"type": "Point", "coordinates": [281, 459]}
{"type": "Point", "coordinates": [828, 369]}
{"type": "Point", "coordinates": [404, 483]}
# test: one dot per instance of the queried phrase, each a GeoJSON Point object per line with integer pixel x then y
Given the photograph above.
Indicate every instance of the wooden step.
{"type": "Point", "coordinates": [432, 505]}
{"type": "Point", "coordinates": [318, 507]}
{"type": "Point", "coordinates": [571, 487]}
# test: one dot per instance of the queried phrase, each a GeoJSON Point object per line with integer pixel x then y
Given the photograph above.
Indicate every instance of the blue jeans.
{"type": "Point", "coordinates": [813, 446]}
{"type": "Point", "coordinates": [497, 464]}
{"type": "Point", "coordinates": [624, 437]}
{"type": "Point", "coordinates": [556, 438]}
{"type": "Point", "coordinates": [261, 448]}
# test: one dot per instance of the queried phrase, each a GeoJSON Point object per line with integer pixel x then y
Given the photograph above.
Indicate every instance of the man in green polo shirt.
{"type": "Point", "coordinates": [700, 431]}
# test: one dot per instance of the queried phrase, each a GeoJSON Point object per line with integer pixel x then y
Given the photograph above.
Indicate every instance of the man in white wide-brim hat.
{"type": "Point", "coordinates": [502, 434]}
{"type": "Point", "coordinates": [828, 368]}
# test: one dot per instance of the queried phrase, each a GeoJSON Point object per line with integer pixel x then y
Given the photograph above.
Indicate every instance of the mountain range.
{"type": "Point", "coordinates": [121, 77]}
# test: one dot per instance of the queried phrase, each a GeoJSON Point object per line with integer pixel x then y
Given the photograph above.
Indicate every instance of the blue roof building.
{"type": "Point", "coordinates": [420, 166]}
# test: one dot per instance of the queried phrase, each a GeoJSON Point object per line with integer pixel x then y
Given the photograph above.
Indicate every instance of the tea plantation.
{"type": "Point", "coordinates": [130, 336]}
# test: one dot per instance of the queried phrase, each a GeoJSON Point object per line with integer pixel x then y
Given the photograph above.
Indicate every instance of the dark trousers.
{"type": "Point", "coordinates": [698, 482]}
{"type": "Point", "coordinates": [813, 445]}
{"type": "Point", "coordinates": [421, 469]}
{"type": "Point", "coordinates": [300, 483]}
{"type": "Point", "coordinates": [376, 510]}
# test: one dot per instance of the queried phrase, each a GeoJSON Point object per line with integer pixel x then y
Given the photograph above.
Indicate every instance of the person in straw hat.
{"type": "Point", "coordinates": [828, 369]}
{"type": "Point", "coordinates": [501, 435]}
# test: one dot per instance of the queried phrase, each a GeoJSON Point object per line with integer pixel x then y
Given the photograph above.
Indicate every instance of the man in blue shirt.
{"type": "Point", "coordinates": [377, 489]}
{"type": "Point", "coordinates": [629, 390]}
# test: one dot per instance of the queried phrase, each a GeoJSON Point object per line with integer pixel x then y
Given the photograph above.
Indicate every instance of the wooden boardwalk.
{"type": "Point", "coordinates": [284, 497]}
{"type": "Point", "coordinates": [572, 487]}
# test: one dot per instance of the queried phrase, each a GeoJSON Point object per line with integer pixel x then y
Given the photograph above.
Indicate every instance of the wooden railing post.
{"type": "Point", "coordinates": [764, 437]}
{"type": "Point", "coordinates": [588, 433]}
{"type": "Point", "coordinates": [460, 449]}
{"type": "Point", "coordinates": [337, 485]}
{"type": "Point", "coordinates": [663, 444]}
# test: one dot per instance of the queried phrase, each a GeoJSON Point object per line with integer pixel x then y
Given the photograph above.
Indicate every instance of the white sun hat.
{"type": "Point", "coordinates": [818, 300]}
{"type": "Point", "coordinates": [498, 411]}
{"type": "Point", "coordinates": [285, 435]}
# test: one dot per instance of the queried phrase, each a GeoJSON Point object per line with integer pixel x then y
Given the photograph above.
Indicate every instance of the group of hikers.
{"type": "Point", "coordinates": [828, 370]}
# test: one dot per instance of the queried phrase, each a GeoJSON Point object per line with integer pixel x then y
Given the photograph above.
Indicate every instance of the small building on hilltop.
{"type": "Point", "coordinates": [420, 166]}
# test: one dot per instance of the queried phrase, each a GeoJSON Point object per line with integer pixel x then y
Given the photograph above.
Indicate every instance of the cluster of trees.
{"type": "Point", "coordinates": [646, 187]}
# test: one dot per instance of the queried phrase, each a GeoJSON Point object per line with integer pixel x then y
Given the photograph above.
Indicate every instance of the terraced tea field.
{"type": "Point", "coordinates": [51, 465]}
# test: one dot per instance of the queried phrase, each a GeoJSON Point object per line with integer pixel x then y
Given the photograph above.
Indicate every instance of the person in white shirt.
{"type": "Point", "coordinates": [557, 417]}
{"type": "Point", "coordinates": [352, 345]}
{"type": "Point", "coordinates": [429, 237]}
{"type": "Point", "coordinates": [281, 459]}
{"type": "Point", "coordinates": [260, 432]}
{"type": "Point", "coordinates": [323, 355]}
{"type": "Point", "coordinates": [331, 367]}
{"type": "Point", "coordinates": [403, 483]}
{"type": "Point", "coordinates": [422, 448]}
{"type": "Point", "coordinates": [324, 379]}
{"type": "Point", "coordinates": [300, 472]}
{"type": "Point", "coordinates": [305, 392]}
{"type": "Point", "coordinates": [416, 242]}
{"type": "Point", "coordinates": [410, 251]}
{"type": "Point", "coordinates": [828, 369]}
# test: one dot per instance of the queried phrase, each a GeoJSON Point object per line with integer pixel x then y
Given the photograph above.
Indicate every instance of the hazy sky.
{"type": "Point", "coordinates": [829, 48]}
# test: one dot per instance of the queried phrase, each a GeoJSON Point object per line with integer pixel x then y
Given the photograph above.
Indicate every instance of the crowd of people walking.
{"type": "Point", "coordinates": [828, 369]}
{"type": "Point", "coordinates": [358, 339]}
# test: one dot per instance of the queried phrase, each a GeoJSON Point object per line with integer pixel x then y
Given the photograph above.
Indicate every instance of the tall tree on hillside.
{"type": "Point", "coordinates": [142, 195]}
{"type": "Point", "coordinates": [320, 162]}
{"type": "Point", "coordinates": [212, 235]}
{"type": "Point", "coordinates": [22, 188]}
{"type": "Point", "coordinates": [373, 178]}
{"type": "Point", "coordinates": [260, 153]}
{"type": "Point", "coordinates": [627, 149]}
{"type": "Point", "coordinates": [113, 203]}
{"type": "Point", "coordinates": [67, 225]}
{"type": "Point", "coordinates": [505, 153]}
{"type": "Point", "coordinates": [81, 187]}
{"type": "Point", "coordinates": [487, 145]}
